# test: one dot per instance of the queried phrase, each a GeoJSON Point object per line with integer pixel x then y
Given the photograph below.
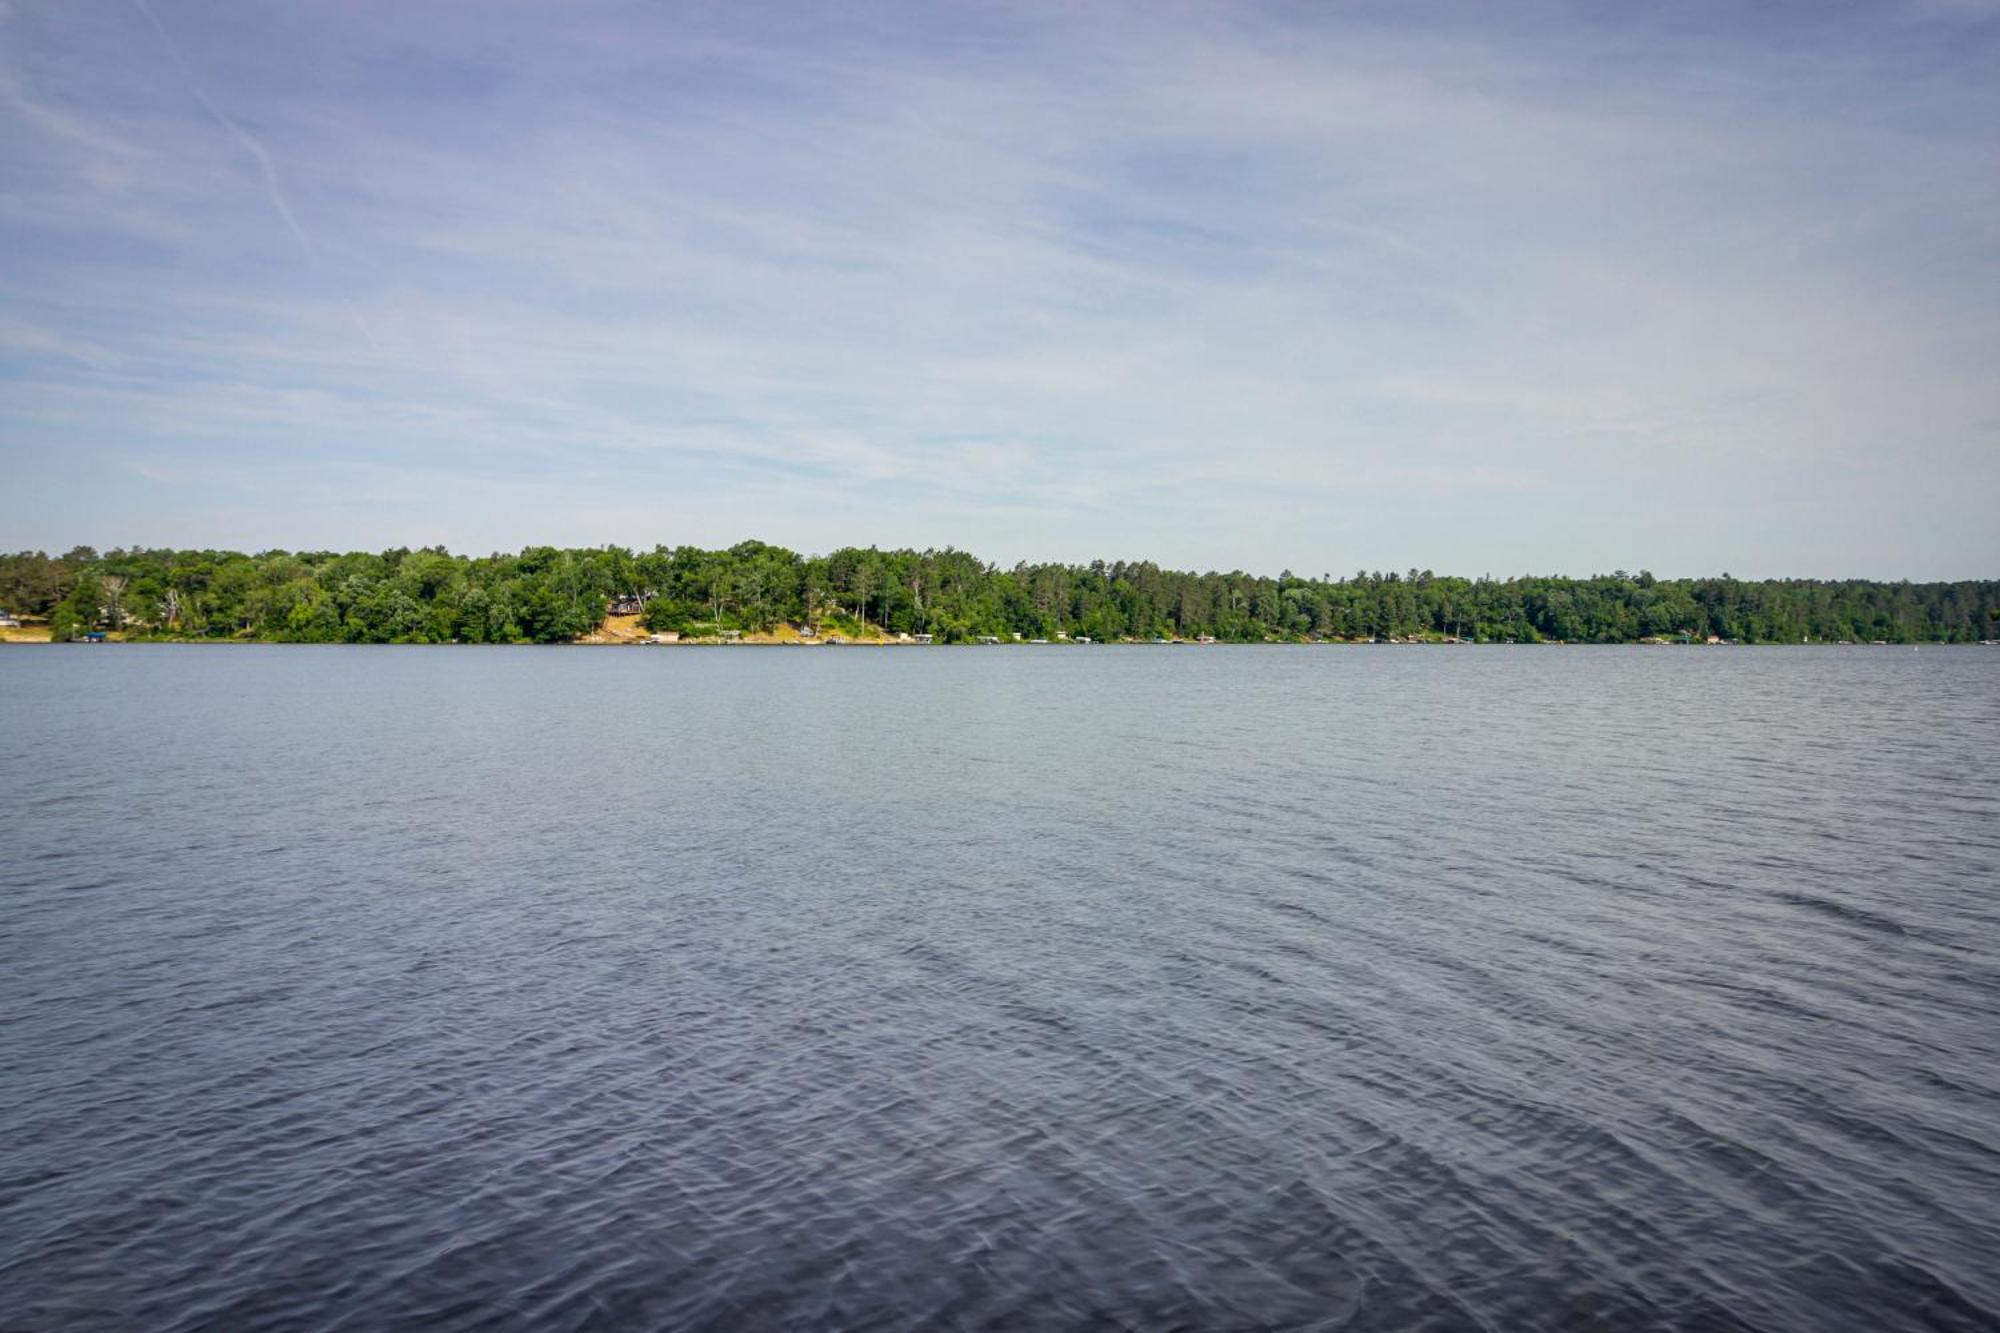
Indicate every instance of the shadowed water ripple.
{"type": "Point", "coordinates": [1143, 988]}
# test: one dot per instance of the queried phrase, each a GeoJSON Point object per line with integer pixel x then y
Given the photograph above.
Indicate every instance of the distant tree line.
{"type": "Point", "coordinates": [547, 594]}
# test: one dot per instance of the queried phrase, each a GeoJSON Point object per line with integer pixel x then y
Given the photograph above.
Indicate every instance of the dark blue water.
{"type": "Point", "coordinates": [1378, 988]}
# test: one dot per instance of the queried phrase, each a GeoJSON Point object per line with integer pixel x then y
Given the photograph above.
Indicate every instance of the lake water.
{"type": "Point", "coordinates": [1377, 988]}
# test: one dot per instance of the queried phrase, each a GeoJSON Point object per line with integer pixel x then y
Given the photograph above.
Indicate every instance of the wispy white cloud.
{"type": "Point", "coordinates": [265, 168]}
{"type": "Point", "coordinates": [1229, 286]}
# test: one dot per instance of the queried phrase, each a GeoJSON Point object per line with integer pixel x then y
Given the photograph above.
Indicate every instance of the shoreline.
{"type": "Point", "coordinates": [767, 642]}
{"type": "Point", "coordinates": [627, 632]}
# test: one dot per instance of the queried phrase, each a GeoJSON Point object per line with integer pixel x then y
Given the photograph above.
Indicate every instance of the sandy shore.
{"type": "Point", "coordinates": [627, 629]}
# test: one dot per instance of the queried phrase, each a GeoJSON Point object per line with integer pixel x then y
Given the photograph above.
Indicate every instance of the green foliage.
{"type": "Point", "coordinates": [81, 610]}
{"type": "Point", "coordinates": [548, 594]}
{"type": "Point", "coordinates": [31, 583]}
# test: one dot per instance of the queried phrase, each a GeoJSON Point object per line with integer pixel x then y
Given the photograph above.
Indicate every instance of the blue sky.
{"type": "Point", "coordinates": [1481, 288]}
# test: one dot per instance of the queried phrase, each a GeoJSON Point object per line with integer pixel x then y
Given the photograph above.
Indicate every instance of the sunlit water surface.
{"type": "Point", "coordinates": [1380, 988]}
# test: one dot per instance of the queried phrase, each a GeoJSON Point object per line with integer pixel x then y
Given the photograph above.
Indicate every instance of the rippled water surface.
{"type": "Point", "coordinates": [1147, 988]}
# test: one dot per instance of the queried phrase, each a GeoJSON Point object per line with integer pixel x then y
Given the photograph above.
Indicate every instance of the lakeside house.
{"type": "Point", "coordinates": [627, 606]}
{"type": "Point", "coordinates": [925, 638]}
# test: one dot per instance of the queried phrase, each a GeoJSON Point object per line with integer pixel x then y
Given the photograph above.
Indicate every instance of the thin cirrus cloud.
{"type": "Point", "coordinates": [1258, 286]}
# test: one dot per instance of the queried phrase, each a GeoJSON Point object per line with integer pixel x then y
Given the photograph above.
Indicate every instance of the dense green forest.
{"type": "Point", "coordinates": [551, 595]}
